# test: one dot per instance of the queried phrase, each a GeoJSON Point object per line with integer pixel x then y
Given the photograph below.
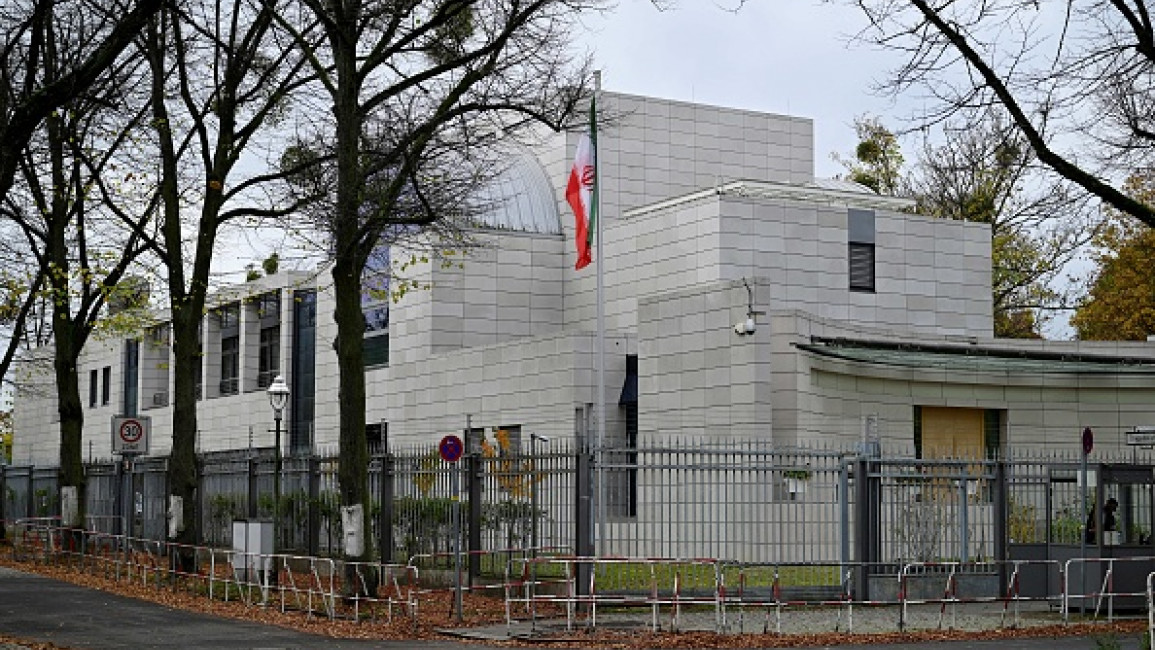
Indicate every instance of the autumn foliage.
{"type": "Point", "coordinates": [1120, 301]}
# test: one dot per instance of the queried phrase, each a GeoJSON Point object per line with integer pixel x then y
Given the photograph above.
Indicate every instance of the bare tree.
{"type": "Point", "coordinates": [30, 90]}
{"type": "Point", "coordinates": [79, 251]}
{"type": "Point", "coordinates": [1074, 78]}
{"type": "Point", "coordinates": [218, 81]}
{"type": "Point", "coordinates": [411, 85]}
{"type": "Point", "coordinates": [986, 172]}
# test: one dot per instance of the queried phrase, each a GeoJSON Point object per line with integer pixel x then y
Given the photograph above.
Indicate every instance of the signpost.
{"type": "Point", "coordinates": [130, 435]}
{"type": "Point", "coordinates": [130, 438]}
{"type": "Point", "coordinates": [1088, 444]}
{"type": "Point", "coordinates": [451, 449]}
{"type": "Point", "coordinates": [1141, 437]}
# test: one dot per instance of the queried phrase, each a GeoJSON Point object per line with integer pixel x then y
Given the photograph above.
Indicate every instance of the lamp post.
{"type": "Point", "coordinates": [278, 393]}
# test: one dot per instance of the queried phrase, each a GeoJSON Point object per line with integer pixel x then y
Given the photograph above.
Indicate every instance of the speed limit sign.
{"type": "Point", "coordinates": [130, 434]}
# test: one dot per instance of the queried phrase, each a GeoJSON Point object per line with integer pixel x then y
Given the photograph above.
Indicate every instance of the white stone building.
{"type": "Point", "coordinates": [867, 318]}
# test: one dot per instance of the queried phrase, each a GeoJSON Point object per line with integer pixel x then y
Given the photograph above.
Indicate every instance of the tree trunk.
{"type": "Point", "coordinates": [70, 409]}
{"type": "Point", "coordinates": [353, 464]}
{"type": "Point", "coordinates": [182, 469]}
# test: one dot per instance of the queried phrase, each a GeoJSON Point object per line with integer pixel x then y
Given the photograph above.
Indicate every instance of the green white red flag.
{"type": "Point", "coordinates": [582, 192]}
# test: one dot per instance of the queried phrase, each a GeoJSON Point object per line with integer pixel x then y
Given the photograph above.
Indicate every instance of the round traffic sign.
{"type": "Point", "coordinates": [451, 448]}
{"type": "Point", "coordinates": [131, 431]}
{"type": "Point", "coordinates": [1088, 441]}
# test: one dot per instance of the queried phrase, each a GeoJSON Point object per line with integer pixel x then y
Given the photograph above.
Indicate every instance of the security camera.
{"type": "Point", "coordinates": [740, 328]}
{"type": "Point", "coordinates": [750, 325]}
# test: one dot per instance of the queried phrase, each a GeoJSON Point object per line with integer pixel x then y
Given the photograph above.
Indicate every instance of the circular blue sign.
{"type": "Point", "coordinates": [451, 448]}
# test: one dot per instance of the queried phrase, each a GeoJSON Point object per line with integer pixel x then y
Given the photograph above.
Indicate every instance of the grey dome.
{"type": "Point", "coordinates": [521, 198]}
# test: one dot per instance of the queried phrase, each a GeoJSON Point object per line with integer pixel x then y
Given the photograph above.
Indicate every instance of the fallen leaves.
{"type": "Point", "coordinates": [436, 611]}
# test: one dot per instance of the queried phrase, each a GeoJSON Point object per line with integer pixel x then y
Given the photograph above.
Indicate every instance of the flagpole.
{"type": "Point", "coordinates": [600, 343]}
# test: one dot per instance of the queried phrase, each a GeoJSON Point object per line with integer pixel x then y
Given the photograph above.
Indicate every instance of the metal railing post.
{"type": "Point", "coordinates": [385, 522]}
{"type": "Point", "coordinates": [1001, 513]}
{"type": "Point", "coordinates": [862, 523]}
{"type": "Point", "coordinates": [476, 480]}
{"type": "Point", "coordinates": [314, 505]}
{"type": "Point", "coordinates": [583, 529]}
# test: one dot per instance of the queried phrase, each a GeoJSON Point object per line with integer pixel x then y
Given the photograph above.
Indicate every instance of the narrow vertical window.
{"type": "Point", "coordinates": [230, 365]}
{"type": "Point", "coordinates": [93, 380]}
{"type": "Point", "coordinates": [230, 318]}
{"type": "Point", "coordinates": [106, 386]}
{"type": "Point", "coordinates": [860, 229]}
{"type": "Point", "coordinates": [269, 361]}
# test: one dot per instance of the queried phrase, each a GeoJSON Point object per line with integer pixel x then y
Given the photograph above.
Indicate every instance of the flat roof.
{"type": "Point", "coordinates": [974, 359]}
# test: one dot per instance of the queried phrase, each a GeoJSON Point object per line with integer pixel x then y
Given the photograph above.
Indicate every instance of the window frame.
{"type": "Point", "coordinates": [230, 360]}
{"type": "Point", "coordinates": [861, 253]}
{"type": "Point", "coordinates": [268, 355]}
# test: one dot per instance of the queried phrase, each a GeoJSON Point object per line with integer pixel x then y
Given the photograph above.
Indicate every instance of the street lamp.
{"type": "Point", "coordinates": [278, 393]}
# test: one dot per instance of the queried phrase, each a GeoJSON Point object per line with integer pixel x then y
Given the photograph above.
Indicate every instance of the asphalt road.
{"type": "Point", "coordinates": [35, 608]}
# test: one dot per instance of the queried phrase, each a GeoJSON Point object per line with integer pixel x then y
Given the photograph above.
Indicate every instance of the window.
{"type": "Point", "coordinates": [376, 434]}
{"type": "Point", "coordinates": [506, 441]}
{"type": "Point", "coordinates": [230, 321]}
{"type": "Point", "coordinates": [992, 433]}
{"type": "Point", "coordinates": [230, 365]}
{"type": "Point", "coordinates": [269, 308]}
{"type": "Point", "coordinates": [622, 488]}
{"type": "Point", "coordinates": [159, 335]}
{"type": "Point", "coordinates": [92, 381]}
{"type": "Point", "coordinates": [860, 228]}
{"type": "Point", "coordinates": [129, 380]}
{"type": "Point", "coordinates": [230, 316]}
{"type": "Point", "coordinates": [375, 307]}
{"type": "Point", "coordinates": [303, 358]}
{"type": "Point", "coordinates": [376, 346]}
{"type": "Point", "coordinates": [106, 388]}
{"type": "Point", "coordinates": [270, 356]}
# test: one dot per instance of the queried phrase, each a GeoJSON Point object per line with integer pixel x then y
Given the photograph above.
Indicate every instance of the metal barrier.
{"type": "Point", "coordinates": [1106, 587]}
{"type": "Point", "coordinates": [304, 583]}
{"type": "Point", "coordinates": [371, 578]}
{"type": "Point", "coordinates": [832, 590]}
{"type": "Point", "coordinates": [1014, 595]}
{"type": "Point", "coordinates": [1151, 609]}
{"type": "Point", "coordinates": [653, 597]}
{"type": "Point", "coordinates": [950, 591]}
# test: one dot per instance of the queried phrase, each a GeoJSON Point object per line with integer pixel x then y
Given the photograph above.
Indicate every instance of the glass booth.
{"type": "Point", "coordinates": [1120, 528]}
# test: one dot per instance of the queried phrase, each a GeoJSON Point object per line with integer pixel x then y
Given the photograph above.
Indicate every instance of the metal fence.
{"type": "Point", "coordinates": [745, 502]}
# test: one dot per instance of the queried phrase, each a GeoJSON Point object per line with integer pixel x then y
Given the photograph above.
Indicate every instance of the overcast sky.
{"type": "Point", "coordinates": [781, 56]}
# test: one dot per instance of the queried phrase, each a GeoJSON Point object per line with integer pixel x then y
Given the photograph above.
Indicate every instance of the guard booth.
{"type": "Point", "coordinates": [1071, 532]}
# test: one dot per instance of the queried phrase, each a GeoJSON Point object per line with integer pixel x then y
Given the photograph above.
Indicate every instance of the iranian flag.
{"type": "Point", "coordinates": [582, 192]}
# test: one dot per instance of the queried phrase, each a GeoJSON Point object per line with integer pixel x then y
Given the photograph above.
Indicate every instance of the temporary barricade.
{"type": "Point", "coordinates": [950, 573]}
{"type": "Point", "coordinates": [1103, 589]}
{"type": "Point", "coordinates": [1151, 609]}
{"type": "Point", "coordinates": [305, 583]}
{"type": "Point", "coordinates": [1014, 594]}
{"type": "Point", "coordinates": [607, 593]}
{"type": "Point", "coordinates": [374, 583]}
{"type": "Point", "coordinates": [497, 560]}
{"type": "Point", "coordinates": [791, 585]}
